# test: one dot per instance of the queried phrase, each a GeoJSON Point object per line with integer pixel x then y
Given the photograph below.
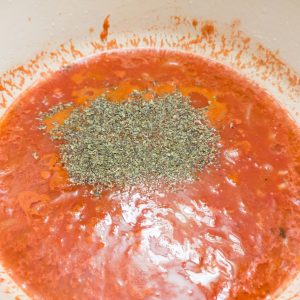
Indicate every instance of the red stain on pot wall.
{"type": "Point", "coordinates": [105, 26]}
{"type": "Point", "coordinates": [207, 29]}
{"type": "Point", "coordinates": [205, 37]}
{"type": "Point", "coordinates": [195, 23]}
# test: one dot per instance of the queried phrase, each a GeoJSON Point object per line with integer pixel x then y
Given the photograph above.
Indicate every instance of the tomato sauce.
{"type": "Point", "coordinates": [234, 233]}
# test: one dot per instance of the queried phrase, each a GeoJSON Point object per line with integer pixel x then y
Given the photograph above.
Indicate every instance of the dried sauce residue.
{"type": "Point", "coordinates": [105, 27]}
{"type": "Point", "coordinates": [76, 53]}
{"type": "Point", "coordinates": [195, 23]}
{"type": "Point", "coordinates": [3, 102]}
{"type": "Point", "coordinates": [204, 37]}
{"type": "Point", "coordinates": [207, 29]}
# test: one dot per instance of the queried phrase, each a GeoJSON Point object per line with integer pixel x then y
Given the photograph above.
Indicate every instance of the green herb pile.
{"type": "Point", "coordinates": [136, 141]}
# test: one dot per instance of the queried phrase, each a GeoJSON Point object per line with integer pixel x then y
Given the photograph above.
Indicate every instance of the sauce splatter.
{"type": "Point", "coordinates": [105, 27]}
{"type": "Point", "coordinates": [207, 29]}
{"type": "Point", "coordinates": [195, 23]}
{"type": "Point", "coordinates": [218, 42]}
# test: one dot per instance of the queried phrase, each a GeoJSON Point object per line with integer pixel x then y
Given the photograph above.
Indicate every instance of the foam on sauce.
{"type": "Point", "coordinates": [232, 234]}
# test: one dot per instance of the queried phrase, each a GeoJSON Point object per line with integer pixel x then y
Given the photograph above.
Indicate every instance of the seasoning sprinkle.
{"type": "Point", "coordinates": [53, 110]}
{"type": "Point", "coordinates": [136, 141]}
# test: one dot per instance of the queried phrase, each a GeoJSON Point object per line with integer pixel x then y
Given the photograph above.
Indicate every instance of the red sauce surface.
{"type": "Point", "coordinates": [232, 234]}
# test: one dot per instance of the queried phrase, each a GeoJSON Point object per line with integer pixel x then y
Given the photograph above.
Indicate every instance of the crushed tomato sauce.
{"type": "Point", "coordinates": [234, 233]}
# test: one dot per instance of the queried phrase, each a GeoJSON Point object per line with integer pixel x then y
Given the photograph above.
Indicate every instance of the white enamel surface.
{"type": "Point", "coordinates": [29, 26]}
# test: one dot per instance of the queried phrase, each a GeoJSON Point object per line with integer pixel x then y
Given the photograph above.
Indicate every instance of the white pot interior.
{"type": "Point", "coordinates": [29, 27]}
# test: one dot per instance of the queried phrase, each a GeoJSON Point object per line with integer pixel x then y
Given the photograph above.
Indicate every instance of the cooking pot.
{"type": "Point", "coordinates": [258, 38]}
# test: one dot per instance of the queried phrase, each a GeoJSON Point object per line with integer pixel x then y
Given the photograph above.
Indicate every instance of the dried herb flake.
{"type": "Point", "coordinates": [136, 141]}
